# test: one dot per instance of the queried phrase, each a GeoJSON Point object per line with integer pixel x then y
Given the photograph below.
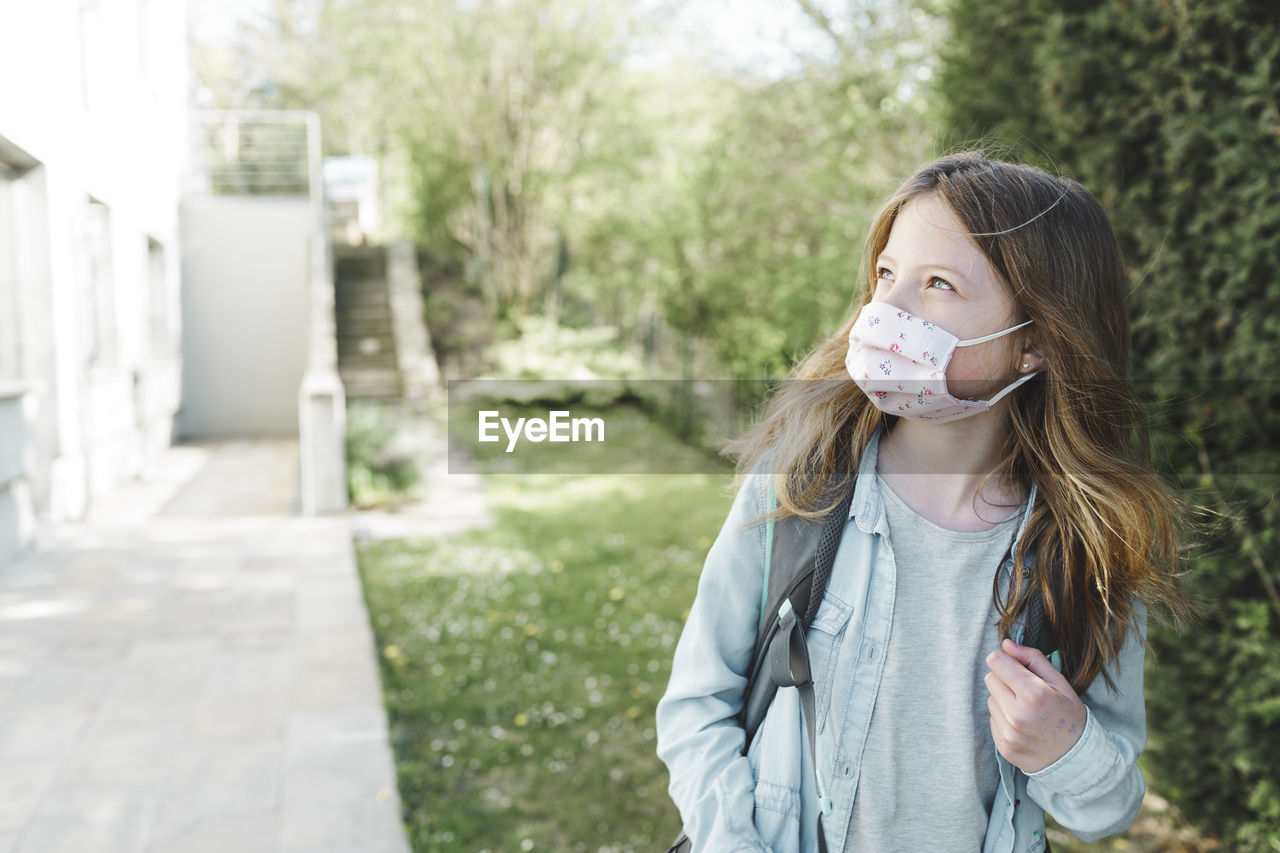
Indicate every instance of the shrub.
{"type": "Point", "coordinates": [378, 474]}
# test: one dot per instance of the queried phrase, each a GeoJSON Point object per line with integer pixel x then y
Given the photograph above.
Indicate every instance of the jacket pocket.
{"type": "Point", "coordinates": [824, 641]}
{"type": "Point", "coordinates": [776, 760]}
{"type": "Point", "coordinates": [777, 816]}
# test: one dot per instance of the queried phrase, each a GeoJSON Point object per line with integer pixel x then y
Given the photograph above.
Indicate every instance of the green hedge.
{"type": "Point", "coordinates": [1168, 111]}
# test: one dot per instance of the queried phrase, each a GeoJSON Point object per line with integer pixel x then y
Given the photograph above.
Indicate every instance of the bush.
{"type": "Point", "coordinates": [378, 474]}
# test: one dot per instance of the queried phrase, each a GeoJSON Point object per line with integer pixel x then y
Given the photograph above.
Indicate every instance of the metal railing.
{"type": "Point", "coordinates": [252, 152]}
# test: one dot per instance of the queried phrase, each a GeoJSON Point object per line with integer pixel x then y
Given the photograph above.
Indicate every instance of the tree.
{"type": "Point", "coordinates": [500, 108]}
{"type": "Point", "coordinates": [758, 226]}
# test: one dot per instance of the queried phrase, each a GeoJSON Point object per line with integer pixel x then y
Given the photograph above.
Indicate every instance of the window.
{"type": "Point", "coordinates": [162, 337]}
{"type": "Point", "coordinates": [99, 303]}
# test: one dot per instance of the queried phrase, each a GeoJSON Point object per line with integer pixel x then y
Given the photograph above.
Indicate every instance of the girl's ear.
{"type": "Point", "coordinates": [1030, 359]}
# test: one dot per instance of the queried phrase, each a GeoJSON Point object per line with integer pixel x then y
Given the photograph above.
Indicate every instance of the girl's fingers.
{"type": "Point", "coordinates": [1034, 660]}
{"type": "Point", "coordinates": [1016, 676]}
{"type": "Point", "coordinates": [1001, 702]}
{"type": "Point", "coordinates": [1000, 727]}
{"type": "Point", "coordinates": [998, 724]}
{"type": "Point", "coordinates": [999, 689]}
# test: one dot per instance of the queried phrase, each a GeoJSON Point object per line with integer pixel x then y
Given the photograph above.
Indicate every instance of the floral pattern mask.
{"type": "Point", "coordinates": [900, 362]}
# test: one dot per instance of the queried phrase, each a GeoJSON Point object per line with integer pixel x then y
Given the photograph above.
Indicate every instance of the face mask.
{"type": "Point", "coordinates": [900, 363]}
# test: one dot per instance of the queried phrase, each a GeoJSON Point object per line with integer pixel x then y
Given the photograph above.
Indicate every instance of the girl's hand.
{"type": "Point", "coordinates": [1035, 715]}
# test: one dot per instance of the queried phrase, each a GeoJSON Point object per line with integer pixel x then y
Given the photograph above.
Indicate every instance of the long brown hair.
{"type": "Point", "coordinates": [1105, 527]}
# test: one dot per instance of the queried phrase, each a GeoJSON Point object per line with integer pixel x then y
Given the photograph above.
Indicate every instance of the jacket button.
{"type": "Point", "coordinates": [1017, 803]}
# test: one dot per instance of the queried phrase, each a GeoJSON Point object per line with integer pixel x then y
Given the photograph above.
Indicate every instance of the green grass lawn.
{"type": "Point", "coordinates": [522, 664]}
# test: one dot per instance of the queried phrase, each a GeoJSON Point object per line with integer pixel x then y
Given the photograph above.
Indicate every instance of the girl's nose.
{"type": "Point", "coordinates": [895, 293]}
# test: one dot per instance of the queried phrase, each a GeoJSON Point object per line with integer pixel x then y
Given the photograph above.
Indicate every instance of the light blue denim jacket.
{"type": "Point", "coordinates": [768, 799]}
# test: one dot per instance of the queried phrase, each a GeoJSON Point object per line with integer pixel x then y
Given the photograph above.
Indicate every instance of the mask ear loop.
{"type": "Point", "coordinates": [997, 398]}
{"type": "Point", "coordinates": [993, 335]}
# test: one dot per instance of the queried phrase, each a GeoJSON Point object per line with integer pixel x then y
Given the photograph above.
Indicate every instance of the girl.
{"type": "Point", "coordinates": [982, 389]}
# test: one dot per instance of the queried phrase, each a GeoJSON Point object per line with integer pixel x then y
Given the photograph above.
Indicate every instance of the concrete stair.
{"type": "Point", "coordinates": [366, 327]}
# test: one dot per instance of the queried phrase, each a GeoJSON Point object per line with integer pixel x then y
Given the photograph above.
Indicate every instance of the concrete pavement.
{"type": "Point", "coordinates": [193, 670]}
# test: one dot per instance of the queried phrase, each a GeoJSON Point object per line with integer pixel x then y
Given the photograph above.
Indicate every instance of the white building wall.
{"type": "Point", "coordinates": [92, 105]}
{"type": "Point", "coordinates": [247, 314]}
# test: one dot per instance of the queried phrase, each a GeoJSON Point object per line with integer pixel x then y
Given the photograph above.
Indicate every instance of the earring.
{"type": "Point", "coordinates": [1024, 365]}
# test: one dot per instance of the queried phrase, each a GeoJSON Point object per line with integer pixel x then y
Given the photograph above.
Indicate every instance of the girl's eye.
{"type": "Point", "coordinates": [883, 274]}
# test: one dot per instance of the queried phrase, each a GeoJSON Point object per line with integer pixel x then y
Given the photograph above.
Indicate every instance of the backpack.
{"type": "Point", "coordinates": [800, 554]}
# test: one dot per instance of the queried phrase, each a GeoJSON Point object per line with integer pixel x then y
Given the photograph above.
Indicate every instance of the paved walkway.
{"type": "Point", "coordinates": [193, 670]}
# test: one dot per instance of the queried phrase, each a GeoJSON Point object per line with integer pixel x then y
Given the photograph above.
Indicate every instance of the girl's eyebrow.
{"type": "Point", "coordinates": [954, 273]}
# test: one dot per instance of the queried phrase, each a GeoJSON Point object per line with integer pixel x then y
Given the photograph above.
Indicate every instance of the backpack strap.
{"type": "Point", "coordinates": [797, 569]}
{"type": "Point", "coordinates": [1039, 633]}
{"type": "Point", "coordinates": [789, 667]}
{"type": "Point", "coordinates": [798, 565]}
